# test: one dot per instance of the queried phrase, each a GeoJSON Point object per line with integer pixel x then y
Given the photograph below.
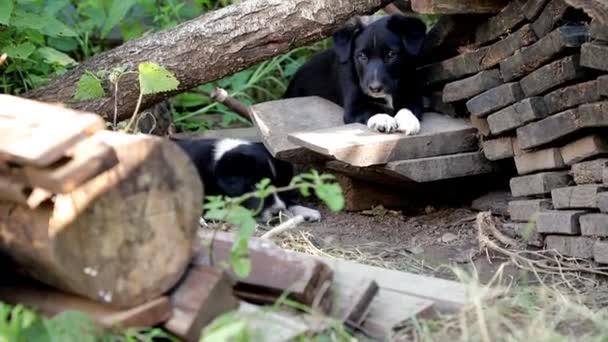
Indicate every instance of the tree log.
{"type": "Point", "coordinates": [209, 47]}
{"type": "Point", "coordinates": [122, 238]}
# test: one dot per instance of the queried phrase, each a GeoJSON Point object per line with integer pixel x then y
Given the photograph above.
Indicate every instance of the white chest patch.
{"type": "Point", "coordinates": [225, 145]}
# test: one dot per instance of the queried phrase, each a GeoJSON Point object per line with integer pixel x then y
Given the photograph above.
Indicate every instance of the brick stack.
{"type": "Point", "coordinates": [534, 89]}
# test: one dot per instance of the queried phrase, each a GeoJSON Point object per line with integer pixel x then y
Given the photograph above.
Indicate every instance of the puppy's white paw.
{"type": "Point", "coordinates": [383, 123]}
{"type": "Point", "coordinates": [407, 122]}
{"type": "Point", "coordinates": [307, 213]}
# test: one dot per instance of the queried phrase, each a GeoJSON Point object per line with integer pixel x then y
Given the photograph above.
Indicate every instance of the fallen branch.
{"type": "Point", "coordinates": [283, 227]}
{"type": "Point", "coordinates": [221, 95]}
{"type": "Point", "coordinates": [208, 48]}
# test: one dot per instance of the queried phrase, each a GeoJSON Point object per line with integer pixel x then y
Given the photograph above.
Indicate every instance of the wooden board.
{"type": "Point", "coordinates": [51, 302]}
{"type": "Point", "coordinates": [38, 134]}
{"type": "Point", "coordinates": [443, 167]}
{"type": "Point", "coordinates": [277, 119]}
{"type": "Point", "coordinates": [273, 271]}
{"type": "Point", "coordinates": [245, 133]}
{"type": "Point", "coordinates": [504, 22]}
{"type": "Point", "coordinates": [457, 6]}
{"type": "Point", "coordinates": [357, 145]}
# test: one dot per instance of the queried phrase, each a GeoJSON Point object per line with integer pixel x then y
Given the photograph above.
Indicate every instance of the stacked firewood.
{"type": "Point", "coordinates": [531, 81]}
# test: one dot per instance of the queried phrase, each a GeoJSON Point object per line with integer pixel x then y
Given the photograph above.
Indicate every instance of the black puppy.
{"type": "Point", "coordinates": [233, 167]}
{"type": "Point", "coordinates": [370, 72]}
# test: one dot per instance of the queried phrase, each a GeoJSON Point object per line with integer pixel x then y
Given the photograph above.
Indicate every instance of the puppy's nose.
{"type": "Point", "coordinates": [376, 88]}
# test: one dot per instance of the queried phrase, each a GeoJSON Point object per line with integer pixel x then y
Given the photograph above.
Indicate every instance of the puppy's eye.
{"type": "Point", "coordinates": [391, 55]}
{"type": "Point", "coordinates": [362, 57]}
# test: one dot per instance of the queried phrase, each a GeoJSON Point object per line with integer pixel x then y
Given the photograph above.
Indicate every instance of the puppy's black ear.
{"type": "Point", "coordinates": [343, 39]}
{"type": "Point", "coordinates": [412, 31]}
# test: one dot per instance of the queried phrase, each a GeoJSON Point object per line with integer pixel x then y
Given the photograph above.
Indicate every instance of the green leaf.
{"type": "Point", "coordinates": [72, 326]}
{"type": "Point", "coordinates": [21, 51]}
{"type": "Point", "coordinates": [26, 20]}
{"type": "Point", "coordinates": [242, 217]}
{"type": "Point", "coordinates": [55, 28]}
{"type": "Point", "coordinates": [88, 88]}
{"type": "Point", "coordinates": [239, 256]}
{"type": "Point", "coordinates": [331, 194]}
{"type": "Point", "coordinates": [225, 328]}
{"type": "Point", "coordinates": [53, 56]}
{"type": "Point", "coordinates": [117, 12]}
{"type": "Point", "coordinates": [6, 9]}
{"type": "Point", "coordinates": [154, 78]}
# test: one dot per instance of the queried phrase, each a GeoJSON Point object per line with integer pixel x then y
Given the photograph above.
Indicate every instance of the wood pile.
{"type": "Point", "coordinates": [533, 80]}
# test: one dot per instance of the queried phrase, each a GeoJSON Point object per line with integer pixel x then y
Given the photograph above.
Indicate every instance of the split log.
{"type": "Point", "coordinates": [210, 47]}
{"type": "Point", "coordinates": [123, 237]}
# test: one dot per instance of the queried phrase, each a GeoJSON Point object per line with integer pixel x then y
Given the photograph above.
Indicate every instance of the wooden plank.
{"type": "Point", "coordinates": [471, 86]}
{"type": "Point", "coordinates": [273, 271]}
{"type": "Point", "coordinates": [585, 148]}
{"type": "Point", "coordinates": [517, 115]}
{"type": "Point", "coordinates": [495, 99]}
{"type": "Point", "coordinates": [550, 17]}
{"type": "Point", "coordinates": [495, 201]}
{"type": "Point", "coordinates": [603, 85]}
{"type": "Point", "coordinates": [244, 133]}
{"type": "Point", "coordinates": [572, 246]}
{"type": "Point", "coordinates": [560, 41]}
{"type": "Point", "coordinates": [594, 225]}
{"type": "Point", "coordinates": [572, 96]}
{"type": "Point", "coordinates": [391, 309]}
{"type": "Point", "coordinates": [200, 297]}
{"type": "Point", "coordinates": [532, 8]}
{"type": "Point", "coordinates": [481, 124]}
{"type": "Point", "coordinates": [499, 148]}
{"type": "Point", "coordinates": [553, 75]}
{"type": "Point", "coordinates": [541, 160]}
{"type": "Point", "coordinates": [526, 210]}
{"type": "Point", "coordinates": [443, 167]}
{"type": "Point", "coordinates": [538, 183]}
{"type": "Point", "coordinates": [577, 197]}
{"type": "Point", "coordinates": [352, 300]}
{"type": "Point", "coordinates": [564, 222]}
{"type": "Point", "coordinates": [357, 145]}
{"type": "Point", "coordinates": [589, 172]}
{"type": "Point", "coordinates": [448, 296]}
{"type": "Point", "coordinates": [434, 103]}
{"type": "Point", "coordinates": [13, 190]}
{"type": "Point", "coordinates": [470, 63]}
{"type": "Point", "coordinates": [599, 31]}
{"type": "Point", "coordinates": [502, 23]}
{"type": "Point", "coordinates": [87, 160]}
{"type": "Point", "coordinates": [561, 125]}
{"type": "Point", "coordinates": [275, 120]}
{"type": "Point", "coordinates": [51, 302]}
{"type": "Point", "coordinates": [457, 6]}
{"type": "Point", "coordinates": [594, 56]}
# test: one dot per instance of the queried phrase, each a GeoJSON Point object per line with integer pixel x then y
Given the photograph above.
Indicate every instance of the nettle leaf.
{"type": "Point", "coordinates": [53, 56]}
{"type": "Point", "coordinates": [331, 195]}
{"type": "Point", "coordinates": [6, 9]}
{"type": "Point", "coordinates": [154, 78]}
{"type": "Point", "coordinates": [21, 51]}
{"type": "Point", "coordinates": [55, 28]}
{"type": "Point", "coordinates": [118, 10]}
{"type": "Point", "coordinates": [88, 88]}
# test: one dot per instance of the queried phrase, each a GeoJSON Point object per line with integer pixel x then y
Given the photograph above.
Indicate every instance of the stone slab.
{"type": "Point", "coordinates": [358, 145]}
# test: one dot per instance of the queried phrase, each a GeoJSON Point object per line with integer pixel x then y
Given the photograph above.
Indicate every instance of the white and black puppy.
{"type": "Point", "coordinates": [371, 72]}
{"type": "Point", "coordinates": [233, 167]}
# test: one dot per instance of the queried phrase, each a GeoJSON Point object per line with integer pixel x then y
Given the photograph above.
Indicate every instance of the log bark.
{"type": "Point", "coordinates": [209, 47]}
{"type": "Point", "coordinates": [124, 237]}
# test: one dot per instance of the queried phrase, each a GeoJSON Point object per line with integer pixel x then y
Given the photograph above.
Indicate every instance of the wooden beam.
{"type": "Point", "coordinates": [458, 6]}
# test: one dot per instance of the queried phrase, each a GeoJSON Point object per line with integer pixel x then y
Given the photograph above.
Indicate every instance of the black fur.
{"type": "Point", "coordinates": [238, 170]}
{"type": "Point", "coordinates": [380, 58]}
